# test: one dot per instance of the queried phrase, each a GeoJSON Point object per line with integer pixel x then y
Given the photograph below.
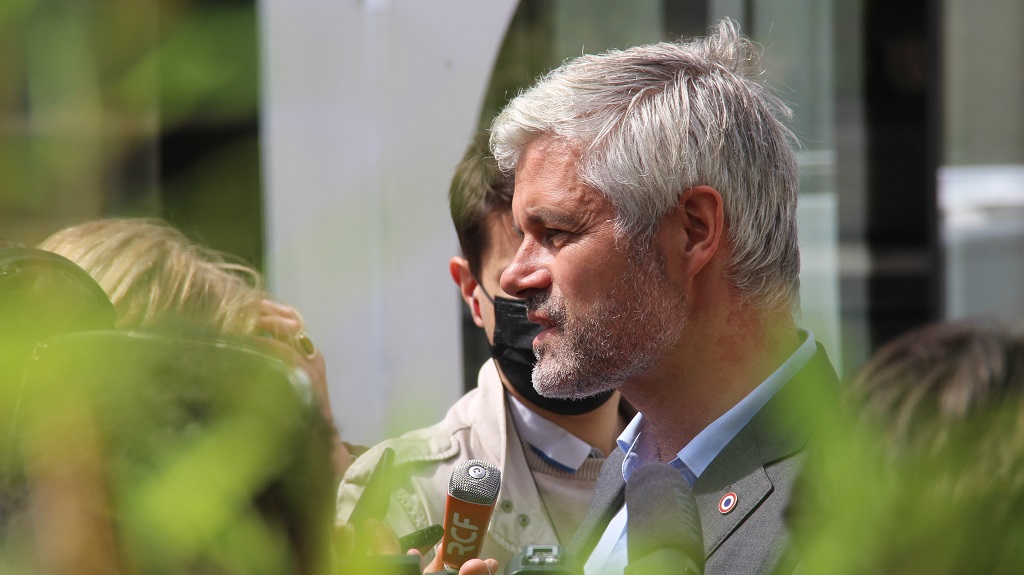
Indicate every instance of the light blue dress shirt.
{"type": "Point", "coordinates": [610, 554]}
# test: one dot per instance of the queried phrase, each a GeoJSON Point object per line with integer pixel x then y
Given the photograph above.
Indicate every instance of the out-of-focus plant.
{"type": "Point", "coordinates": [128, 107]}
{"type": "Point", "coordinates": [862, 510]}
{"type": "Point", "coordinates": [922, 472]}
{"type": "Point", "coordinates": [152, 454]}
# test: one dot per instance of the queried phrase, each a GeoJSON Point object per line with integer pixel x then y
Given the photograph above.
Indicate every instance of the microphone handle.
{"type": "Point", "coordinates": [465, 527]}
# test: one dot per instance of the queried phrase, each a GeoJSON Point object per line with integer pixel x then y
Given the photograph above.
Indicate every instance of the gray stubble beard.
{"type": "Point", "coordinates": [622, 336]}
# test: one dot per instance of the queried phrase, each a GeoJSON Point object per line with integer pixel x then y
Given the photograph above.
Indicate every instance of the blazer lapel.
{"type": "Point", "coordinates": [778, 431]}
{"type": "Point", "coordinates": [737, 470]}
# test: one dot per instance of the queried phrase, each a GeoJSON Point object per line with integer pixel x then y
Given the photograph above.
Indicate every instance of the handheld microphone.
{"type": "Point", "coordinates": [472, 492]}
{"type": "Point", "coordinates": [663, 527]}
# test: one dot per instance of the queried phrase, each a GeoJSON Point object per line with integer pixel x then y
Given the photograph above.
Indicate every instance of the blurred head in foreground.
{"type": "Point", "coordinates": [43, 295]}
{"type": "Point", "coordinates": [157, 278]}
{"type": "Point", "coordinates": [926, 474]}
{"type": "Point", "coordinates": [171, 455]}
{"type": "Point", "coordinates": [154, 274]}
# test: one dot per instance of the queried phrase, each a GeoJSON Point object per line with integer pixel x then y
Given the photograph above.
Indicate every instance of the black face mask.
{"type": "Point", "coordinates": [513, 350]}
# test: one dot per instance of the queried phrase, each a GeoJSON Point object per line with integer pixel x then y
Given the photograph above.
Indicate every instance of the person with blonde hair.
{"type": "Point", "coordinates": [157, 277]}
{"type": "Point", "coordinates": [153, 273]}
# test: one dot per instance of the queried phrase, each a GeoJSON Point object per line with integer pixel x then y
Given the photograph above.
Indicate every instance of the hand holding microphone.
{"type": "Point", "coordinates": [663, 528]}
{"type": "Point", "coordinates": [472, 492]}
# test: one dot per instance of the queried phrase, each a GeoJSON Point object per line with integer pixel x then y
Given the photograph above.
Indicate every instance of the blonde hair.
{"type": "Point", "coordinates": [155, 275]}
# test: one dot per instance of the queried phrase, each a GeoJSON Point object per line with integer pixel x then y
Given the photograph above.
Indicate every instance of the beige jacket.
{"type": "Point", "coordinates": [476, 427]}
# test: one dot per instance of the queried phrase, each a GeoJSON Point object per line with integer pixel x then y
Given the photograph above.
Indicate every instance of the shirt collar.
{"type": "Point", "coordinates": [696, 455]}
{"type": "Point", "coordinates": [554, 444]}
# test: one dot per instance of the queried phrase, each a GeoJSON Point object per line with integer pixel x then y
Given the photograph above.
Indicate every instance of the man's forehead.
{"type": "Point", "coordinates": [546, 167]}
{"type": "Point", "coordinates": [548, 152]}
{"type": "Point", "coordinates": [558, 202]}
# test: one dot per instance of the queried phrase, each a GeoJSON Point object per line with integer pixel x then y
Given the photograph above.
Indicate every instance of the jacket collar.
{"type": "Point", "coordinates": [778, 431]}
{"type": "Point", "coordinates": [482, 409]}
{"type": "Point", "coordinates": [495, 436]}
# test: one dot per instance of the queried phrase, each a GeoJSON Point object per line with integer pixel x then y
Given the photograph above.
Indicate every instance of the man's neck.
{"type": "Point", "coordinates": [714, 365]}
{"type": "Point", "coordinates": [598, 428]}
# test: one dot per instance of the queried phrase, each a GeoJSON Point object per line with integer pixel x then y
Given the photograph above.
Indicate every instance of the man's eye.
{"type": "Point", "coordinates": [554, 235]}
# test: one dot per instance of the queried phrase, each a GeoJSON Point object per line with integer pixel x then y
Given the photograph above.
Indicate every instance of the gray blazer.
{"type": "Point", "coordinates": [759, 465]}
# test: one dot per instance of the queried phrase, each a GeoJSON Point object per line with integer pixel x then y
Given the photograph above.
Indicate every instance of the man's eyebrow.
{"type": "Point", "coordinates": [546, 217]}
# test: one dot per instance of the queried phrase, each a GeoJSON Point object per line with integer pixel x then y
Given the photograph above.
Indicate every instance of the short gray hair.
{"type": "Point", "coordinates": [654, 120]}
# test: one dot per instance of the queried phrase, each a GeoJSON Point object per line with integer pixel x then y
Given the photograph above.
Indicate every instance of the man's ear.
{"type": "Point", "coordinates": [459, 268]}
{"type": "Point", "coordinates": [701, 216]}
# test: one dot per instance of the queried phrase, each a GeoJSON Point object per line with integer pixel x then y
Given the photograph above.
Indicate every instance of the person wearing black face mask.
{"type": "Point", "coordinates": [512, 349]}
{"type": "Point", "coordinates": [549, 450]}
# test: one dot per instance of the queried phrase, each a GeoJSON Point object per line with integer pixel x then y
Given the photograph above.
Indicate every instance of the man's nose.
{"type": "Point", "coordinates": [526, 273]}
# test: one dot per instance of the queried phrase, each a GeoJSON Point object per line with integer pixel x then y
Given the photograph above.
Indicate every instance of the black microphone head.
{"type": "Point", "coordinates": [661, 513]}
{"type": "Point", "coordinates": [475, 481]}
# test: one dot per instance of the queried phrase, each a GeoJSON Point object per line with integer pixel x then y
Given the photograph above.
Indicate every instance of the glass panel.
{"type": "Point", "coordinates": [797, 35]}
{"type": "Point", "coordinates": [981, 184]}
{"type": "Point", "coordinates": [131, 108]}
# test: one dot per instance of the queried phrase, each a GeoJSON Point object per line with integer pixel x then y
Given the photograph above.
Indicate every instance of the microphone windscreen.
{"type": "Point", "coordinates": [662, 514]}
{"type": "Point", "coordinates": [475, 481]}
{"type": "Point", "coordinates": [472, 492]}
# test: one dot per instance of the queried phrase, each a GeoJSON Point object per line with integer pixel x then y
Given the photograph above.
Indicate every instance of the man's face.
{"type": "Point", "coordinates": [610, 311]}
{"type": "Point", "coordinates": [501, 248]}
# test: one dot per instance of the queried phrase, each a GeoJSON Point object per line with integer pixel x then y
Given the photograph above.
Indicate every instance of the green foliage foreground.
{"type": "Point", "coordinates": [154, 454]}
{"type": "Point", "coordinates": [947, 499]}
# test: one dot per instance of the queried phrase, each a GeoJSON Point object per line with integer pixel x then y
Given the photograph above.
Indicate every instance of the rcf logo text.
{"type": "Point", "coordinates": [462, 536]}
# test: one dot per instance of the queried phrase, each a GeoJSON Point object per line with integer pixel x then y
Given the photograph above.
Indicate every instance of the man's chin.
{"type": "Point", "coordinates": [553, 391]}
{"type": "Point", "coordinates": [564, 384]}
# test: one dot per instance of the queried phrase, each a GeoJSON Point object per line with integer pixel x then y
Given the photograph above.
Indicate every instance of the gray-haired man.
{"type": "Point", "coordinates": [655, 194]}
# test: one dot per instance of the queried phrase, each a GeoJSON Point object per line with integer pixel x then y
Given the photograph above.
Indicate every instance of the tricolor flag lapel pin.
{"type": "Point", "coordinates": [727, 503]}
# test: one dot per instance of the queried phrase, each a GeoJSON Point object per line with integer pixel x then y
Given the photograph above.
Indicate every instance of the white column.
{"type": "Point", "coordinates": [367, 107]}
